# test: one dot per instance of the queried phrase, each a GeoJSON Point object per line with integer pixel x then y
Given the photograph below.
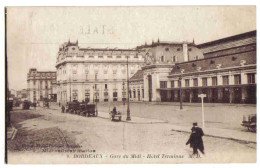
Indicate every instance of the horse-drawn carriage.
{"type": "Point", "coordinates": [26, 105]}
{"type": "Point", "coordinates": [115, 115]}
{"type": "Point", "coordinates": [83, 109]}
{"type": "Point", "coordinates": [249, 122]}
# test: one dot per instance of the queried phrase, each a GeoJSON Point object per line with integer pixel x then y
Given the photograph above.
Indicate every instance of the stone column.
{"type": "Point", "coordinates": [231, 95]}
{"type": "Point", "coordinates": [156, 96]}
{"type": "Point", "coordinates": [244, 94]}
{"type": "Point", "coordinates": [191, 95]}
{"type": "Point", "coordinates": [220, 95]}
{"type": "Point", "coordinates": [146, 93]}
{"type": "Point", "coordinates": [243, 78]}
{"type": "Point", "coordinates": [219, 80]}
{"type": "Point", "coordinates": [209, 95]}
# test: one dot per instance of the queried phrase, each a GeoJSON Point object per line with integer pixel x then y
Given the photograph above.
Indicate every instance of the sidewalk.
{"type": "Point", "coordinates": [249, 137]}
{"type": "Point", "coordinates": [134, 120]}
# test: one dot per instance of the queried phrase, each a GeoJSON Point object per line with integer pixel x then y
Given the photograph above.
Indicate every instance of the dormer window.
{"type": "Point", "coordinates": [174, 58]}
{"type": "Point", "coordinates": [162, 58]}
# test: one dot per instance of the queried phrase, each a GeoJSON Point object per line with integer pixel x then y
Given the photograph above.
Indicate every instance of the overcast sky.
{"type": "Point", "coordinates": [34, 34]}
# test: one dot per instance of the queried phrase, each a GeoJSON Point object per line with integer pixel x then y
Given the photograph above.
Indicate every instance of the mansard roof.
{"type": "Point", "coordinates": [233, 41]}
{"type": "Point", "coordinates": [137, 76]}
{"type": "Point", "coordinates": [214, 63]}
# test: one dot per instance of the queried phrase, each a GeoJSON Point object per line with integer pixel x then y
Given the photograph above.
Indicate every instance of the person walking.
{"type": "Point", "coordinates": [195, 139]}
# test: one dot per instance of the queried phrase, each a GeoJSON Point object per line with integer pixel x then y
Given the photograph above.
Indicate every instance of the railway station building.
{"type": "Point", "coordinates": [224, 70]}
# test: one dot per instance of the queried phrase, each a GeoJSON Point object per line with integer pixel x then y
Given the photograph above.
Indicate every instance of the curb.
{"type": "Point", "coordinates": [215, 136]}
{"type": "Point", "coordinates": [162, 122]}
{"type": "Point", "coordinates": [13, 132]}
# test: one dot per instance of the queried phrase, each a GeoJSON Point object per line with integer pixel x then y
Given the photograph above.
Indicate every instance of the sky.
{"type": "Point", "coordinates": [34, 34]}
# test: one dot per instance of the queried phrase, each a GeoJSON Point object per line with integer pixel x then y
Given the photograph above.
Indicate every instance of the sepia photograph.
{"type": "Point", "coordinates": [130, 85]}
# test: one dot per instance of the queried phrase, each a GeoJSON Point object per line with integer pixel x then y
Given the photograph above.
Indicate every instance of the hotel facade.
{"type": "Point", "coordinates": [95, 74]}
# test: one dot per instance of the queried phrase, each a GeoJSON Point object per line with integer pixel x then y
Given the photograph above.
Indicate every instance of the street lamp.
{"type": "Point", "coordinates": [124, 93]}
{"type": "Point", "coordinates": [128, 118]}
{"type": "Point", "coordinates": [70, 88]}
{"type": "Point", "coordinates": [180, 93]}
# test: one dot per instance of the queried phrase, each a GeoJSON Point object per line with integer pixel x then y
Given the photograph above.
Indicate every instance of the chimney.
{"type": "Point", "coordinates": [185, 52]}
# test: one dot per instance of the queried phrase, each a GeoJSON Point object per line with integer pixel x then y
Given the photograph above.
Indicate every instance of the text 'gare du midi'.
{"type": "Point", "coordinates": [224, 70]}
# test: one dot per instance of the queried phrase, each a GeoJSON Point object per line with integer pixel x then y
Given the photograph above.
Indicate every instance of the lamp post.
{"type": "Point", "coordinates": [96, 102]}
{"type": "Point", "coordinates": [124, 93]}
{"type": "Point", "coordinates": [93, 95]}
{"type": "Point", "coordinates": [70, 88]}
{"type": "Point", "coordinates": [128, 118]}
{"type": "Point", "coordinates": [180, 93]}
{"type": "Point", "coordinates": [202, 107]}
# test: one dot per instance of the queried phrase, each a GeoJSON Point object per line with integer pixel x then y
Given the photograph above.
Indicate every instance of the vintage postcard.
{"type": "Point", "coordinates": [95, 85]}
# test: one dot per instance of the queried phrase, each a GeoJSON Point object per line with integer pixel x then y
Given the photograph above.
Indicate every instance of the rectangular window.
{"type": "Point", "coordinates": [237, 79]}
{"type": "Point", "coordinates": [172, 84]}
{"type": "Point", "coordinates": [204, 81]}
{"type": "Point", "coordinates": [96, 76]}
{"type": "Point", "coordinates": [143, 93]}
{"type": "Point", "coordinates": [214, 81]}
{"type": "Point", "coordinates": [75, 95]}
{"type": "Point", "coordinates": [187, 82]}
{"type": "Point", "coordinates": [130, 94]}
{"type": "Point", "coordinates": [105, 86]}
{"type": "Point", "coordinates": [114, 94]}
{"type": "Point", "coordinates": [250, 78]}
{"type": "Point", "coordinates": [134, 94]}
{"type": "Point", "coordinates": [179, 83]}
{"type": "Point", "coordinates": [225, 80]}
{"type": "Point", "coordinates": [163, 84]}
{"type": "Point", "coordinates": [195, 82]}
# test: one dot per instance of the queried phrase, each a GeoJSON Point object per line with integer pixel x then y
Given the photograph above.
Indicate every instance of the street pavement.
{"type": "Point", "coordinates": [140, 137]}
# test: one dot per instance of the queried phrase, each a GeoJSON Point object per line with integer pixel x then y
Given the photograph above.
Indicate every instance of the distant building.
{"type": "Point", "coordinates": [224, 70]}
{"type": "Point", "coordinates": [40, 85]}
{"type": "Point", "coordinates": [22, 94]}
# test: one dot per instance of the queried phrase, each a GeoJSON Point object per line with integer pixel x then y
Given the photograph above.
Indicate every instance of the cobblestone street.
{"type": "Point", "coordinates": [41, 128]}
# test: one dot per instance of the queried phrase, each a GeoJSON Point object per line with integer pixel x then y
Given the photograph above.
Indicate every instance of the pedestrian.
{"type": "Point", "coordinates": [63, 109]}
{"type": "Point", "coordinates": [195, 140]}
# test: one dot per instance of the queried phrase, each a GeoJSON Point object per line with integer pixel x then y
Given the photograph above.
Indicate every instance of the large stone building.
{"type": "Point", "coordinates": [40, 85]}
{"type": "Point", "coordinates": [224, 70]}
{"type": "Point", "coordinates": [94, 74]}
